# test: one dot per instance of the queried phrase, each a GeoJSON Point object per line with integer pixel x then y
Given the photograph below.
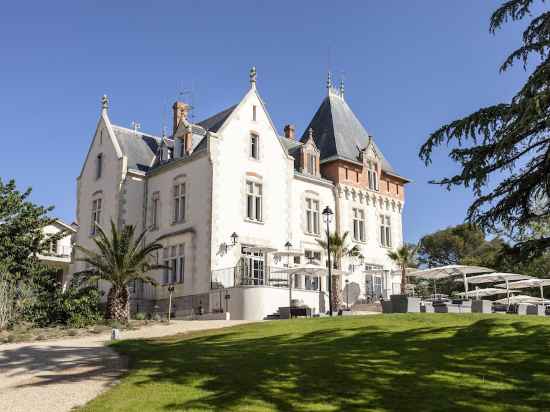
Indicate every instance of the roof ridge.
{"type": "Point", "coordinates": [138, 132]}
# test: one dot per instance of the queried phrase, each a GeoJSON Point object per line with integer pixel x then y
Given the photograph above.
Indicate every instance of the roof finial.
{"type": "Point", "coordinates": [253, 77]}
{"type": "Point", "coordinates": [104, 102]}
{"type": "Point", "coordinates": [329, 81]}
{"type": "Point", "coordinates": [342, 87]}
{"type": "Point", "coordinates": [310, 133]}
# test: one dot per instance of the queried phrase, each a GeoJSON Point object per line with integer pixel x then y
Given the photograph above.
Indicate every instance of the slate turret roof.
{"type": "Point", "coordinates": [338, 133]}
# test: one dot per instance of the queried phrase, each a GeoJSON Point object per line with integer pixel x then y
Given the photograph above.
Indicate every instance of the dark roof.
{"type": "Point", "coordinates": [339, 134]}
{"type": "Point", "coordinates": [138, 147]}
{"type": "Point", "coordinates": [213, 123]}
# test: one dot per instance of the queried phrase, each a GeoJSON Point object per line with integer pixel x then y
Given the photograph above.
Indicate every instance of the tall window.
{"type": "Point", "coordinates": [312, 216]}
{"type": "Point", "coordinates": [385, 231]}
{"type": "Point", "coordinates": [254, 146]}
{"type": "Point", "coordinates": [155, 203]}
{"type": "Point", "coordinates": [174, 262]}
{"type": "Point", "coordinates": [254, 112]}
{"type": "Point", "coordinates": [372, 175]}
{"type": "Point", "coordinates": [359, 225]}
{"type": "Point", "coordinates": [98, 165]}
{"type": "Point", "coordinates": [53, 247]}
{"type": "Point", "coordinates": [96, 215]}
{"type": "Point", "coordinates": [254, 201]}
{"type": "Point", "coordinates": [179, 202]}
{"type": "Point", "coordinates": [312, 255]}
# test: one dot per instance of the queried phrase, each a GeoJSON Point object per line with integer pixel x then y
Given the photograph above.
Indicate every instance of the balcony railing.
{"type": "Point", "coordinates": [242, 275]}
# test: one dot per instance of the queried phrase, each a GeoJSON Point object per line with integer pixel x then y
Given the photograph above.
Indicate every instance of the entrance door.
{"type": "Point", "coordinates": [253, 262]}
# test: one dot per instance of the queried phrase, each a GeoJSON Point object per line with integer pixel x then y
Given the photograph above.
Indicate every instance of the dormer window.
{"type": "Point", "coordinates": [311, 163]}
{"type": "Point", "coordinates": [372, 172]}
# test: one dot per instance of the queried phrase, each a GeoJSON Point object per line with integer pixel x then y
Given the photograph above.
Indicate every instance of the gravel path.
{"type": "Point", "coordinates": [58, 375]}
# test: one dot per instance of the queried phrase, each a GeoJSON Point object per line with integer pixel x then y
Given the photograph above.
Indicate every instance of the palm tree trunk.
{"type": "Point", "coordinates": [403, 280]}
{"type": "Point", "coordinates": [118, 304]}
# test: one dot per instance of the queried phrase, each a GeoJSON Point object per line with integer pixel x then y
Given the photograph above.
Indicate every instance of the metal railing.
{"type": "Point", "coordinates": [241, 275]}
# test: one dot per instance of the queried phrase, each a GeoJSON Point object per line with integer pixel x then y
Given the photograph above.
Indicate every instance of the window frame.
{"type": "Point", "coordinates": [155, 209]}
{"type": "Point", "coordinates": [254, 146]}
{"type": "Point", "coordinates": [359, 225]}
{"type": "Point", "coordinates": [385, 231]}
{"type": "Point", "coordinates": [179, 200]}
{"type": "Point", "coordinates": [313, 224]}
{"type": "Point", "coordinates": [254, 201]}
{"type": "Point", "coordinates": [173, 257]}
{"type": "Point", "coordinates": [97, 206]}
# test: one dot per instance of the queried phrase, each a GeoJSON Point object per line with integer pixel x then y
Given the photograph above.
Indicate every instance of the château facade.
{"type": "Point", "coordinates": [232, 201]}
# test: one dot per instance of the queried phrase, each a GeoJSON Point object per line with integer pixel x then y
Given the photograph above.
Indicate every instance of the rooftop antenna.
{"type": "Point", "coordinates": [189, 95]}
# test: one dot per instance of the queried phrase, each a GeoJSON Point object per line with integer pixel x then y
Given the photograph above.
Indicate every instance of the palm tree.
{"type": "Point", "coordinates": [338, 249]}
{"type": "Point", "coordinates": [404, 257]}
{"type": "Point", "coordinates": [121, 258]}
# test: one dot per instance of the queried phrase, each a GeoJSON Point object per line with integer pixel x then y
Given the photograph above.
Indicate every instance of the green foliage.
{"type": "Point", "coordinates": [75, 307]}
{"type": "Point", "coordinates": [405, 257]}
{"type": "Point", "coordinates": [459, 245]}
{"type": "Point", "coordinates": [507, 143]}
{"type": "Point", "coordinates": [339, 248]}
{"type": "Point", "coordinates": [121, 257]}
{"type": "Point", "coordinates": [21, 235]}
{"type": "Point", "coordinates": [140, 316]}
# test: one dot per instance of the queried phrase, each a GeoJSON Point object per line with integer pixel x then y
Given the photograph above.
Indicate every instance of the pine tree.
{"type": "Point", "coordinates": [510, 139]}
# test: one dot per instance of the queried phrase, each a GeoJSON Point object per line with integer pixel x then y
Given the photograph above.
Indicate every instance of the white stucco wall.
{"type": "Point", "coordinates": [107, 187]}
{"type": "Point", "coordinates": [194, 232]}
{"type": "Point", "coordinates": [232, 167]}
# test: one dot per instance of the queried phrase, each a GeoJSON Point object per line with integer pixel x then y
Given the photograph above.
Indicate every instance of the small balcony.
{"type": "Point", "coordinates": [242, 275]}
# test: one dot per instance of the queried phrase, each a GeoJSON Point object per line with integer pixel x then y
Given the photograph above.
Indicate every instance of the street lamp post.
{"type": "Point", "coordinates": [327, 214]}
{"type": "Point", "coordinates": [170, 291]}
{"type": "Point", "coordinates": [288, 245]}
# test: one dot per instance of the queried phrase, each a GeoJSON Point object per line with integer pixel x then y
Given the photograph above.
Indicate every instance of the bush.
{"type": "Point", "coordinates": [140, 316]}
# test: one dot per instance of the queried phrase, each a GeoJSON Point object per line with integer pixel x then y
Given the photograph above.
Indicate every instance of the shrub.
{"type": "Point", "coordinates": [140, 316]}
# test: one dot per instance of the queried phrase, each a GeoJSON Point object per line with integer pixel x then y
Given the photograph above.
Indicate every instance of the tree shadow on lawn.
{"type": "Point", "coordinates": [485, 365]}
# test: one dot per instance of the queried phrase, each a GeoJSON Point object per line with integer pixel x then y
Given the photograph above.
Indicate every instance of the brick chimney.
{"type": "Point", "coordinates": [290, 131]}
{"type": "Point", "coordinates": [181, 110]}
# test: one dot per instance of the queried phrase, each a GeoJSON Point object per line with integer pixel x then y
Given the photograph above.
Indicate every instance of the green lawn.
{"type": "Point", "coordinates": [407, 362]}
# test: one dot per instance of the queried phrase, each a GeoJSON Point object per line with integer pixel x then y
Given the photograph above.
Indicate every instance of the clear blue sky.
{"type": "Point", "coordinates": [410, 66]}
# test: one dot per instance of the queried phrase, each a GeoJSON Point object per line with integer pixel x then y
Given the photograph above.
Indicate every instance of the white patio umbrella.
{"type": "Point", "coordinates": [482, 292]}
{"type": "Point", "coordinates": [515, 299]}
{"type": "Point", "coordinates": [498, 277]}
{"type": "Point", "coordinates": [528, 283]}
{"type": "Point", "coordinates": [448, 271]}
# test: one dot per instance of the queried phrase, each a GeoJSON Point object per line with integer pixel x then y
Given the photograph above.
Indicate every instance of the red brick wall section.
{"type": "Point", "coordinates": [353, 175]}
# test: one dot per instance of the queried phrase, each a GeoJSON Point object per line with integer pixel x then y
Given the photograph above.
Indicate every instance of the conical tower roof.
{"type": "Point", "coordinates": [338, 133]}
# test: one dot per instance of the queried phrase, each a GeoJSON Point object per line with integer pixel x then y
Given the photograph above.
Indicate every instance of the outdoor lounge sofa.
{"type": "Point", "coordinates": [482, 306]}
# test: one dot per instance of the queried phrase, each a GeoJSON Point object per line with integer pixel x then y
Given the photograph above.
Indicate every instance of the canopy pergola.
{"type": "Point", "coordinates": [311, 269]}
{"type": "Point", "coordinates": [528, 283]}
{"type": "Point", "coordinates": [498, 277]}
{"type": "Point", "coordinates": [448, 271]}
